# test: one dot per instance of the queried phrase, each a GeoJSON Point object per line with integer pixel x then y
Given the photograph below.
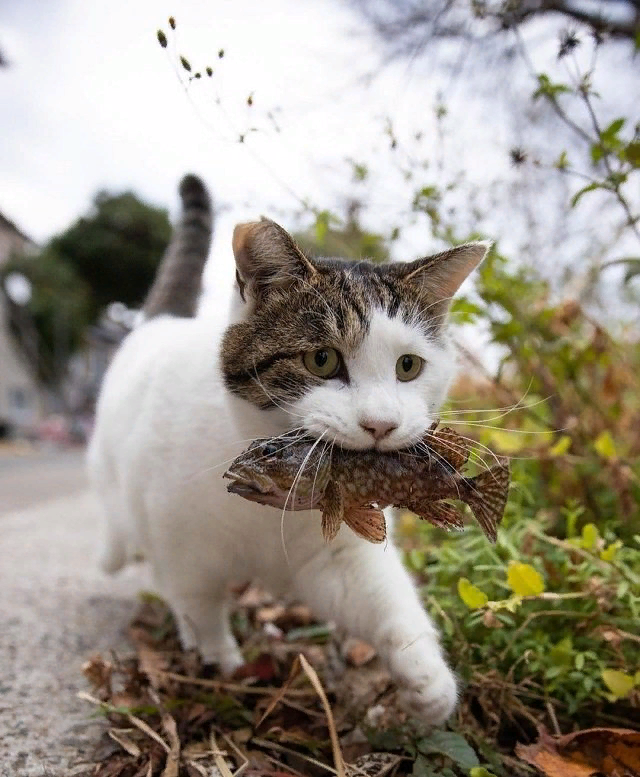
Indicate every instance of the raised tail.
{"type": "Point", "coordinates": [486, 495]}
{"type": "Point", "coordinates": [176, 288]}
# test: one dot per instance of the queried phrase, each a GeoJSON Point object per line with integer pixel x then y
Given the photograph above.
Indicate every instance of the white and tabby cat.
{"type": "Point", "coordinates": [353, 353]}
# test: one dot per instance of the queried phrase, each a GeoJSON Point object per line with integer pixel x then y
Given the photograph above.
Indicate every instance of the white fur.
{"type": "Point", "coordinates": [166, 428]}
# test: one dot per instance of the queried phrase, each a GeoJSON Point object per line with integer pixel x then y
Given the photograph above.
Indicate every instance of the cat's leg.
{"type": "Point", "coordinates": [365, 590]}
{"type": "Point", "coordinates": [202, 616]}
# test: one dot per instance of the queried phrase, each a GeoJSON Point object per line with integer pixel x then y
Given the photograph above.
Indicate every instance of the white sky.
{"type": "Point", "coordinates": [92, 101]}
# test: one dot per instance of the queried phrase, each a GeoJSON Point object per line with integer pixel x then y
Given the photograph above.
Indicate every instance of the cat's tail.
{"type": "Point", "coordinates": [176, 288]}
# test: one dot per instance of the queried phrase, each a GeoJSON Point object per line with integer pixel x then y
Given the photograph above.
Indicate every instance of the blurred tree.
{"type": "Point", "coordinates": [51, 325]}
{"type": "Point", "coordinates": [331, 236]}
{"type": "Point", "coordinates": [109, 255]}
{"type": "Point", "coordinates": [407, 26]}
{"type": "Point", "coordinates": [115, 249]}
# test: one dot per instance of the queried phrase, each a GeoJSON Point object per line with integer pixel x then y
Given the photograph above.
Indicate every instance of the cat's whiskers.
{"type": "Point", "coordinates": [292, 489]}
{"type": "Point", "coordinates": [228, 461]}
{"type": "Point", "coordinates": [256, 379]}
{"type": "Point", "coordinates": [424, 446]}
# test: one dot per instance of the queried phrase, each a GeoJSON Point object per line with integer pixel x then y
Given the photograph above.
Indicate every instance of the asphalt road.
{"type": "Point", "coordinates": [29, 475]}
{"type": "Point", "coordinates": [56, 610]}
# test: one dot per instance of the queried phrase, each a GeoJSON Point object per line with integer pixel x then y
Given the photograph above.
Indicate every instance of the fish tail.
{"type": "Point", "coordinates": [440, 514]}
{"type": "Point", "coordinates": [487, 496]}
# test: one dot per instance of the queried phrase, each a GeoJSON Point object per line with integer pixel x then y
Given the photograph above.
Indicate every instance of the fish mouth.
{"type": "Point", "coordinates": [268, 494]}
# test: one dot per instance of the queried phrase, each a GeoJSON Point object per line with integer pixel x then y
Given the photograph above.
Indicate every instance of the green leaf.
{"type": "Point", "coordinates": [562, 162]}
{"type": "Point", "coordinates": [632, 153]}
{"type": "Point", "coordinates": [548, 89]}
{"type": "Point", "coordinates": [590, 536]}
{"type": "Point", "coordinates": [473, 597]}
{"type": "Point", "coordinates": [524, 580]}
{"type": "Point", "coordinates": [610, 552]}
{"type": "Point", "coordinates": [597, 152]}
{"type": "Point", "coordinates": [589, 188]}
{"type": "Point", "coordinates": [417, 559]}
{"type": "Point", "coordinates": [610, 133]}
{"type": "Point", "coordinates": [562, 653]}
{"type": "Point", "coordinates": [465, 312]}
{"type": "Point", "coordinates": [453, 745]}
{"type": "Point", "coordinates": [604, 445]}
{"type": "Point", "coordinates": [480, 771]}
{"type": "Point", "coordinates": [561, 446]}
{"type": "Point", "coordinates": [619, 683]}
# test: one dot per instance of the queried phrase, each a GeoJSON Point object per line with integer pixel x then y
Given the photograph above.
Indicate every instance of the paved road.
{"type": "Point", "coordinates": [32, 475]}
{"type": "Point", "coordinates": [56, 609]}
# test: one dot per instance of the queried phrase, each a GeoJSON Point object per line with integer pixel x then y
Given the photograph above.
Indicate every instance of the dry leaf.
{"type": "Point", "coordinates": [98, 672]}
{"type": "Point", "coordinates": [613, 752]}
{"type": "Point", "coordinates": [357, 652]}
{"type": "Point", "coordinates": [120, 736]}
{"type": "Point", "coordinates": [270, 614]}
{"type": "Point", "coordinates": [172, 764]}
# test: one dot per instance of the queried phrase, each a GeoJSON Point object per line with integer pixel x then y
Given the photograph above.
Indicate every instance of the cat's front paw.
{"type": "Point", "coordinates": [426, 685]}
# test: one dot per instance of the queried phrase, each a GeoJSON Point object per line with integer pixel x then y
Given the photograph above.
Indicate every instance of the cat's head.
{"type": "Point", "coordinates": [354, 351]}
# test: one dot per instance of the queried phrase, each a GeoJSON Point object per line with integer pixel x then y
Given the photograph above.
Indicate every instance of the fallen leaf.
{"type": "Point", "coordinates": [98, 672]}
{"type": "Point", "coordinates": [613, 752]}
{"type": "Point", "coordinates": [172, 764]}
{"type": "Point", "coordinates": [263, 668]}
{"type": "Point", "coordinates": [120, 736]}
{"type": "Point", "coordinates": [373, 765]}
{"type": "Point", "coordinates": [357, 652]}
{"type": "Point", "coordinates": [270, 614]}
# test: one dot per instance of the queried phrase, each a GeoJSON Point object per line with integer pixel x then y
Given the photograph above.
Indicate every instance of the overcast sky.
{"type": "Point", "coordinates": [92, 101]}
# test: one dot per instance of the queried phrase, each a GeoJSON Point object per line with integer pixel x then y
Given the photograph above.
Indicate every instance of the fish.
{"type": "Point", "coordinates": [296, 472]}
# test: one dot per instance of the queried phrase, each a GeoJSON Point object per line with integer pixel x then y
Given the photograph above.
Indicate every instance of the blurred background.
{"type": "Point", "coordinates": [385, 128]}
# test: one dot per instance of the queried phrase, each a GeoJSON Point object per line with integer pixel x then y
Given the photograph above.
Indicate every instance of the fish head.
{"type": "Point", "coordinates": [285, 472]}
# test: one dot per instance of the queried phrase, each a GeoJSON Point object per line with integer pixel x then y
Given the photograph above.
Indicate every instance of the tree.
{"type": "Point", "coordinates": [331, 236]}
{"type": "Point", "coordinates": [407, 26]}
{"type": "Point", "coordinates": [115, 249]}
{"type": "Point", "coordinates": [109, 255]}
{"type": "Point", "coordinates": [51, 326]}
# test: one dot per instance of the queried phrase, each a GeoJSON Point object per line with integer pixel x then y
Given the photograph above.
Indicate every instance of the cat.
{"type": "Point", "coordinates": [353, 353]}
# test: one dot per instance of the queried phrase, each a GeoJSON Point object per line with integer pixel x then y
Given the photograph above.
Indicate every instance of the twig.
{"type": "Point", "coordinates": [220, 685]}
{"type": "Point", "coordinates": [333, 733]}
{"type": "Point", "coordinates": [281, 748]}
{"type": "Point", "coordinates": [554, 720]}
{"type": "Point", "coordinates": [135, 720]}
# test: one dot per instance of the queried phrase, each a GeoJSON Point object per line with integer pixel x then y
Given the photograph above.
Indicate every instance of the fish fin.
{"type": "Point", "coordinates": [332, 512]}
{"type": "Point", "coordinates": [487, 496]}
{"type": "Point", "coordinates": [448, 445]}
{"type": "Point", "coordinates": [367, 522]}
{"type": "Point", "coordinates": [440, 514]}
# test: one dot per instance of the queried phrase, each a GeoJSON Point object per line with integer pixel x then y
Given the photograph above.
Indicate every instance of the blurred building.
{"type": "Point", "coordinates": [21, 401]}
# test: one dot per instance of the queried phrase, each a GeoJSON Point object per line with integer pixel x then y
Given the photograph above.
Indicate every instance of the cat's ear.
{"type": "Point", "coordinates": [438, 277]}
{"type": "Point", "coordinates": [267, 258]}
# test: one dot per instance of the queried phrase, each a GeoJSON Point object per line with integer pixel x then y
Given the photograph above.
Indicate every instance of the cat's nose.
{"type": "Point", "coordinates": [378, 427]}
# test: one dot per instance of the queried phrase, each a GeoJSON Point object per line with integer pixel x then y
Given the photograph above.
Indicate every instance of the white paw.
{"type": "Point", "coordinates": [427, 687]}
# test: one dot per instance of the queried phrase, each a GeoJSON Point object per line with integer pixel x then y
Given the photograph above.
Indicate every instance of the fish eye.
{"type": "Point", "coordinates": [408, 367]}
{"type": "Point", "coordinates": [325, 362]}
{"type": "Point", "coordinates": [270, 449]}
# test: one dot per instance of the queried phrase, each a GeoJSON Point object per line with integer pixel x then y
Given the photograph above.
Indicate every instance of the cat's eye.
{"type": "Point", "coordinates": [325, 362]}
{"type": "Point", "coordinates": [408, 366]}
